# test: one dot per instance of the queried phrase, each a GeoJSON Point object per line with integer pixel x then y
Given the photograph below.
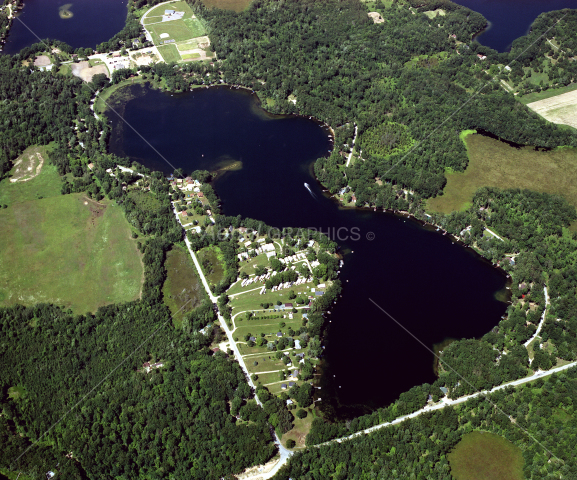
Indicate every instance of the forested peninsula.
{"type": "Point", "coordinates": [408, 86]}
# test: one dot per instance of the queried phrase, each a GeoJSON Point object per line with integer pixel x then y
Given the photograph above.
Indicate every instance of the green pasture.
{"type": "Point", "coordinates": [182, 290]}
{"type": "Point", "coordinates": [550, 92]}
{"type": "Point", "coordinates": [484, 456]}
{"type": "Point", "coordinates": [188, 45]}
{"type": "Point", "coordinates": [493, 163]}
{"type": "Point", "coordinates": [70, 251]}
{"type": "Point", "coordinates": [46, 184]}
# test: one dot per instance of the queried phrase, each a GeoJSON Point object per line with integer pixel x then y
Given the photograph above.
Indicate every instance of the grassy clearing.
{"type": "Point", "coordinates": [68, 250]}
{"type": "Point", "coordinates": [494, 163]}
{"type": "Point", "coordinates": [300, 429]}
{"type": "Point", "coordinates": [169, 53]}
{"type": "Point", "coordinates": [483, 456]}
{"type": "Point", "coordinates": [235, 5]}
{"type": "Point", "coordinates": [182, 287]}
{"type": "Point", "coordinates": [252, 300]}
{"type": "Point", "coordinates": [46, 184]}
{"type": "Point", "coordinates": [195, 26]}
{"type": "Point", "coordinates": [190, 56]}
{"type": "Point", "coordinates": [551, 92]}
{"type": "Point", "coordinates": [211, 263]}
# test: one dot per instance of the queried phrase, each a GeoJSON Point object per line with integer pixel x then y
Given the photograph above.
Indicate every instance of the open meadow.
{"type": "Point", "coordinates": [493, 163]}
{"type": "Point", "coordinates": [558, 109]}
{"type": "Point", "coordinates": [485, 456]}
{"type": "Point", "coordinates": [68, 250]}
{"type": "Point", "coordinates": [235, 5]}
{"type": "Point", "coordinates": [31, 178]}
{"type": "Point", "coordinates": [182, 289]}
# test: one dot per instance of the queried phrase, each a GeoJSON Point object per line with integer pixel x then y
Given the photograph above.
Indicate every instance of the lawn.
{"type": "Point", "coordinates": [46, 184]}
{"type": "Point", "coordinates": [494, 163]}
{"type": "Point", "coordinates": [70, 251]}
{"type": "Point", "coordinates": [169, 53]}
{"type": "Point", "coordinates": [301, 429]}
{"type": "Point", "coordinates": [485, 456]}
{"type": "Point", "coordinates": [191, 44]}
{"type": "Point", "coordinates": [190, 56]}
{"type": "Point", "coordinates": [182, 286]}
{"type": "Point", "coordinates": [252, 300]}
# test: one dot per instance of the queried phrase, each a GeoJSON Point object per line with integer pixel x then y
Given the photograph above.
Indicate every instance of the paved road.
{"type": "Point", "coordinates": [447, 402]}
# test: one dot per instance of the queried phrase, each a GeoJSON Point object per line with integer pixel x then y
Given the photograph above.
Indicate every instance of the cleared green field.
{"type": "Point", "coordinates": [169, 53]}
{"type": "Point", "coordinates": [485, 456]}
{"type": "Point", "coordinates": [188, 44]}
{"type": "Point", "coordinates": [211, 263]}
{"type": "Point", "coordinates": [68, 250]}
{"type": "Point", "coordinates": [190, 56]}
{"type": "Point", "coordinates": [235, 5]}
{"type": "Point", "coordinates": [182, 286]}
{"type": "Point", "coordinates": [551, 92]}
{"type": "Point", "coordinates": [493, 163]}
{"type": "Point", "coordinates": [195, 26]}
{"type": "Point", "coordinates": [44, 185]}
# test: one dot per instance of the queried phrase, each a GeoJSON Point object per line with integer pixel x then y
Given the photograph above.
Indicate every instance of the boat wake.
{"type": "Point", "coordinates": [310, 191]}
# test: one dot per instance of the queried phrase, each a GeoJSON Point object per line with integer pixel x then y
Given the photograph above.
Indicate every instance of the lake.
{"type": "Point", "coordinates": [510, 19]}
{"type": "Point", "coordinates": [80, 23]}
{"type": "Point", "coordinates": [435, 288]}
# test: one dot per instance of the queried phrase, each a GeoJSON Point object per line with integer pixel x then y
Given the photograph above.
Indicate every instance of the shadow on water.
{"type": "Point", "coordinates": [434, 287]}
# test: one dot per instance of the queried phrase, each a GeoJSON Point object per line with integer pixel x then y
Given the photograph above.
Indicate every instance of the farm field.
{"type": "Point", "coordinates": [558, 109]}
{"type": "Point", "coordinates": [484, 456]}
{"type": "Point", "coordinates": [182, 284]}
{"type": "Point", "coordinates": [32, 178]}
{"type": "Point", "coordinates": [68, 250]}
{"type": "Point", "coordinates": [493, 163]}
{"type": "Point", "coordinates": [551, 92]}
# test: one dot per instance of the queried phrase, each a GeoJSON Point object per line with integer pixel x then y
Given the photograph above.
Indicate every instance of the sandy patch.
{"type": "Point", "coordinates": [42, 61]}
{"type": "Point", "coordinates": [85, 72]}
{"type": "Point", "coordinates": [376, 16]}
{"type": "Point", "coordinates": [27, 168]}
{"type": "Point", "coordinates": [558, 109]}
{"type": "Point", "coordinates": [143, 60]}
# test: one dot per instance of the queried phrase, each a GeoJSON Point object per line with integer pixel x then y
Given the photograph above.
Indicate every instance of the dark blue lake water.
{"type": "Point", "coordinates": [92, 22]}
{"type": "Point", "coordinates": [510, 19]}
{"type": "Point", "coordinates": [433, 287]}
